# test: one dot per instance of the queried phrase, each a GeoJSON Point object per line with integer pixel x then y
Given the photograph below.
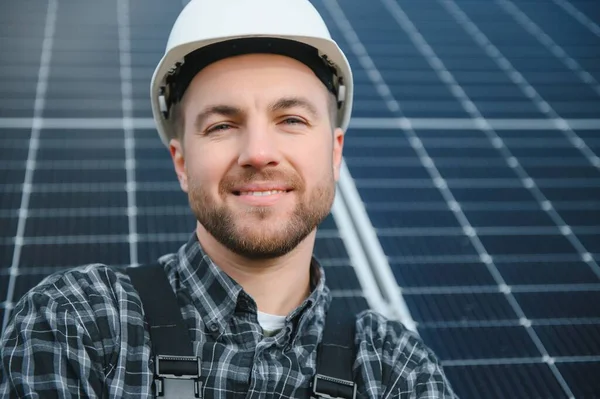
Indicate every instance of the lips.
{"type": "Point", "coordinates": [261, 193]}
{"type": "Point", "coordinates": [261, 190]}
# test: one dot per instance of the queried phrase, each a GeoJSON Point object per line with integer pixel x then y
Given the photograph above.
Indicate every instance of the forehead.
{"type": "Point", "coordinates": [255, 73]}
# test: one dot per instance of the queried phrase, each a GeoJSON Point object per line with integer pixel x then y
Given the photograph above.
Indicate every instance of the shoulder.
{"type": "Point", "coordinates": [390, 339]}
{"type": "Point", "coordinates": [94, 298]}
{"type": "Point", "coordinates": [395, 360]}
{"type": "Point", "coordinates": [93, 283]}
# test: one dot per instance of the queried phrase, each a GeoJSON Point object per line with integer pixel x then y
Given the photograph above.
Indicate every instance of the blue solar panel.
{"type": "Point", "coordinates": [474, 150]}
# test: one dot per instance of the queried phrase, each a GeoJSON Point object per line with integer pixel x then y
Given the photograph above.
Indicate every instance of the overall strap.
{"type": "Point", "coordinates": [177, 370]}
{"type": "Point", "coordinates": [336, 354]}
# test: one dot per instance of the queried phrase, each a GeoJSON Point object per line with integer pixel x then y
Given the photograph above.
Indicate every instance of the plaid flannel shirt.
{"type": "Point", "coordinates": [81, 333]}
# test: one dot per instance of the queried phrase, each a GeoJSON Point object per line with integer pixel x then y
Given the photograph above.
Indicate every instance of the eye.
{"type": "Point", "coordinates": [221, 127]}
{"type": "Point", "coordinates": [293, 121]}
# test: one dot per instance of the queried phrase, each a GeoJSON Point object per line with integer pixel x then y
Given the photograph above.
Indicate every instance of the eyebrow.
{"type": "Point", "coordinates": [292, 102]}
{"type": "Point", "coordinates": [223, 110]}
{"type": "Point", "coordinates": [282, 104]}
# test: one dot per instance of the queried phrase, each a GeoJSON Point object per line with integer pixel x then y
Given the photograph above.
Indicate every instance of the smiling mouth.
{"type": "Point", "coordinates": [260, 193]}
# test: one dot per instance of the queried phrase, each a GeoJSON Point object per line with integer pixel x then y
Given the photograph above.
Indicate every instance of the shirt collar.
{"type": "Point", "coordinates": [216, 295]}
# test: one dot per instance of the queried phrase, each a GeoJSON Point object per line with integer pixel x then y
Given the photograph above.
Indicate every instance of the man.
{"type": "Point", "coordinates": [252, 99]}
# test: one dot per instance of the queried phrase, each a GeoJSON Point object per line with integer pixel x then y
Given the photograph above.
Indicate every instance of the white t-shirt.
{"type": "Point", "coordinates": [270, 323]}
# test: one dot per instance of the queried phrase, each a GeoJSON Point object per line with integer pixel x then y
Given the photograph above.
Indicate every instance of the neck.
{"type": "Point", "coordinates": [278, 285]}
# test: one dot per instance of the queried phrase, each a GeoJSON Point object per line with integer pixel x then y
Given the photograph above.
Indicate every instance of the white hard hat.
{"type": "Point", "coordinates": [230, 27]}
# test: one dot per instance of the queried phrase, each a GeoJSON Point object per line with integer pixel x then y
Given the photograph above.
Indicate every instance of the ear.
{"type": "Point", "coordinates": [178, 156]}
{"type": "Point", "coordinates": [338, 146]}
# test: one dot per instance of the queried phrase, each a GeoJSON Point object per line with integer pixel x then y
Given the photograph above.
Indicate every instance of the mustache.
{"type": "Point", "coordinates": [248, 176]}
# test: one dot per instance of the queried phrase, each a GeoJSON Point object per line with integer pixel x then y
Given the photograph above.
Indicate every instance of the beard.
{"type": "Point", "coordinates": [248, 232]}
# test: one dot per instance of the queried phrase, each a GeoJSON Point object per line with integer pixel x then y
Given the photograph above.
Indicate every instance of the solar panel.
{"type": "Point", "coordinates": [468, 206]}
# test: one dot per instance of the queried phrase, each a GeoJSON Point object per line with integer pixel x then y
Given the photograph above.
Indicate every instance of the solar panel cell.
{"type": "Point", "coordinates": [411, 218]}
{"type": "Point", "coordinates": [10, 200]}
{"type": "Point", "coordinates": [81, 175]}
{"type": "Point", "coordinates": [500, 381]}
{"type": "Point", "coordinates": [591, 242]}
{"type": "Point", "coordinates": [13, 174]}
{"type": "Point", "coordinates": [63, 253]}
{"type": "Point", "coordinates": [480, 343]}
{"type": "Point", "coordinates": [543, 273]}
{"type": "Point", "coordinates": [426, 244]}
{"type": "Point", "coordinates": [342, 278]}
{"type": "Point", "coordinates": [165, 224]}
{"type": "Point", "coordinates": [474, 171]}
{"type": "Point", "coordinates": [13, 153]}
{"type": "Point", "coordinates": [514, 244]}
{"type": "Point", "coordinates": [560, 305]}
{"type": "Point", "coordinates": [399, 195]}
{"type": "Point", "coordinates": [576, 217]}
{"type": "Point", "coordinates": [76, 199]}
{"type": "Point", "coordinates": [330, 248]}
{"type": "Point", "coordinates": [351, 151]}
{"type": "Point", "coordinates": [51, 226]}
{"type": "Point", "coordinates": [441, 274]}
{"type": "Point", "coordinates": [491, 194]}
{"type": "Point", "coordinates": [459, 307]}
{"type": "Point", "coordinates": [151, 198]}
{"type": "Point", "coordinates": [582, 377]}
{"type": "Point", "coordinates": [57, 154]}
{"type": "Point", "coordinates": [508, 218]}
{"type": "Point", "coordinates": [3, 289]}
{"type": "Point", "coordinates": [377, 172]}
{"type": "Point", "coordinates": [570, 340]}
{"type": "Point", "coordinates": [353, 304]}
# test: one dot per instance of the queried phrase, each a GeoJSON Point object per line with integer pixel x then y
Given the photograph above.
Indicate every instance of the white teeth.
{"type": "Point", "coordinates": [261, 193]}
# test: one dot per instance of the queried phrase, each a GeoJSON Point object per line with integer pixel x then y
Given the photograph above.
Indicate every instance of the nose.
{"type": "Point", "coordinates": [259, 147]}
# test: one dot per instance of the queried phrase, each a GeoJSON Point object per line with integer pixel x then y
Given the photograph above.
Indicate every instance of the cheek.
{"type": "Point", "coordinates": [315, 162]}
{"type": "Point", "coordinates": [206, 169]}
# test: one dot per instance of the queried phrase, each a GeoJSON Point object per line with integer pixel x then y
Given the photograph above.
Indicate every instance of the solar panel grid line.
{"type": "Point", "coordinates": [358, 257]}
{"type": "Point", "coordinates": [407, 25]}
{"type": "Point", "coordinates": [579, 16]}
{"type": "Point", "coordinates": [494, 288]}
{"type": "Point", "coordinates": [529, 183]}
{"type": "Point", "coordinates": [129, 138]}
{"type": "Point", "coordinates": [486, 230]}
{"type": "Point", "coordinates": [478, 206]}
{"type": "Point", "coordinates": [519, 360]}
{"type": "Point", "coordinates": [40, 94]}
{"type": "Point", "coordinates": [367, 63]}
{"type": "Point", "coordinates": [550, 44]}
{"type": "Point", "coordinates": [72, 187]}
{"type": "Point", "coordinates": [384, 123]}
{"type": "Point", "coordinates": [447, 77]}
{"type": "Point", "coordinates": [525, 181]}
{"type": "Point", "coordinates": [360, 51]}
{"type": "Point", "coordinates": [518, 79]}
{"type": "Point", "coordinates": [507, 323]}
{"type": "Point", "coordinates": [59, 143]}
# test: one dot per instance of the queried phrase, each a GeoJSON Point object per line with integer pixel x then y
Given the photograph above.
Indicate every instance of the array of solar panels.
{"type": "Point", "coordinates": [485, 200]}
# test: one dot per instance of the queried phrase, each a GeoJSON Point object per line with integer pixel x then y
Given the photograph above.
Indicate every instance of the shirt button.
{"type": "Point", "coordinates": [214, 327]}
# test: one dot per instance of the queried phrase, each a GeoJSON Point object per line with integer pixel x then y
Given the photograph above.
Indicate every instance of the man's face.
{"type": "Point", "coordinates": [259, 158]}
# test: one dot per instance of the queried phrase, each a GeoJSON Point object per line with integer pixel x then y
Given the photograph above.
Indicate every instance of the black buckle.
{"type": "Point", "coordinates": [321, 394]}
{"type": "Point", "coordinates": [177, 376]}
